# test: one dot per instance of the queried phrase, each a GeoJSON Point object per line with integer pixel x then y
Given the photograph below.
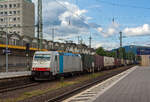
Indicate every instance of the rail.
{"type": "Point", "coordinates": [81, 88]}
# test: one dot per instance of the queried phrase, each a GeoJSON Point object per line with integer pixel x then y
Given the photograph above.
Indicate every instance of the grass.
{"type": "Point", "coordinates": [38, 92]}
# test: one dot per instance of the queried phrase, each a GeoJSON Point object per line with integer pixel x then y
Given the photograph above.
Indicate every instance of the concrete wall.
{"type": "Point", "coordinates": [24, 15]}
{"type": "Point", "coordinates": [145, 60]}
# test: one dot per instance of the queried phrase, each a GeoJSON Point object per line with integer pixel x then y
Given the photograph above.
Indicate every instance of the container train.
{"type": "Point", "coordinates": [47, 64]}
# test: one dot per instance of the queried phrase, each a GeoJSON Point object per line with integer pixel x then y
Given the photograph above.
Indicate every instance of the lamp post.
{"type": "Point", "coordinates": [7, 23]}
{"type": "Point", "coordinates": [6, 52]}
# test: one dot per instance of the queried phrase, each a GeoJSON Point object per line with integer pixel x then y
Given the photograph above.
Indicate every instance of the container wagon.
{"type": "Point", "coordinates": [122, 62]}
{"type": "Point", "coordinates": [99, 62]}
{"type": "Point", "coordinates": [87, 62]}
{"type": "Point", "coordinates": [128, 62]}
{"type": "Point", "coordinates": [117, 62]}
{"type": "Point", "coordinates": [109, 62]}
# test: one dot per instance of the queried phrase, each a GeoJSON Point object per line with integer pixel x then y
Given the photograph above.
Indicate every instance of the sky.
{"type": "Point", "coordinates": [100, 19]}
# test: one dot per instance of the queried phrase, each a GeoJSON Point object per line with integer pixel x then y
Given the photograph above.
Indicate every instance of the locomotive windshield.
{"type": "Point", "coordinates": [42, 57]}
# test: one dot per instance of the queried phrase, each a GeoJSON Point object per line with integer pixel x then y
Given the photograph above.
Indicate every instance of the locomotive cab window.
{"type": "Point", "coordinates": [42, 57]}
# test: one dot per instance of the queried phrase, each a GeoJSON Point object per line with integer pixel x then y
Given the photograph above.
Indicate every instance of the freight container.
{"type": "Point", "coordinates": [117, 62]}
{"type": "Point", "coordinates": [127, 62]}
{"type": "Point", "coordinates": [132, 61]}
{"type": "Point", "coordinates": [122, 62]}
{"type": "Point", "coordinates": [99, 62]}
{"type": "Point", "coordinates": [87, 62]}
{"type": "Point", "coordinates": [109, 61]}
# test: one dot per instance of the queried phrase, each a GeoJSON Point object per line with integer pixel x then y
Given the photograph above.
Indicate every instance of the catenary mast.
{"type": "Point", "coordinates": [40, 25]}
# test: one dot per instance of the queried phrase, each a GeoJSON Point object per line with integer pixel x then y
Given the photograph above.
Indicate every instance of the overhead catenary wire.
{"type": "Point", "coordinates": [80, 17]}
{"type": "Point", "coordinates": [114, 4]}
{"type": "Point", "coordinates": [123, 5]}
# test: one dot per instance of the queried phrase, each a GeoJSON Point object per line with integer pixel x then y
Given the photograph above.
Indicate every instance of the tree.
{"type": "Point", "coordinates": [121, 53]}
{"type": "Point", "coordinates": [101, 51]}
{"type": "Point", "coordinates": [130, 55]}
{"type": "Point", "coordinates": [114, 54]}
{"type": "Point", "coordinates": [110, 54]}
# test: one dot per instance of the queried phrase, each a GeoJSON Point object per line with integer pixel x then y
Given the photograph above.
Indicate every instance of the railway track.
{"type": "Point", "coordinates": [3, 90]}
{"type": "Point", "coordinates": [11, 84]}
{"type": "Point", "coordinates": [86, 86]}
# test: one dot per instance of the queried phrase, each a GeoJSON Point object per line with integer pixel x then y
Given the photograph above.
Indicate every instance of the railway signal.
{"type": "Point", "coordinates": [27, 55]}
{"type": "Point", "coordinates": [27, 47]}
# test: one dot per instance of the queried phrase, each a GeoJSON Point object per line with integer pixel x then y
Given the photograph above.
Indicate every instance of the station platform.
{"type": "Point", "coordinates": [6, 75]}
{"type": "Point", "coordinates": [132, 85]}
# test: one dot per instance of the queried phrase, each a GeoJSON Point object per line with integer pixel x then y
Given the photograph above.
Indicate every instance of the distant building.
{"type": "Point", "coordinates": [17, 16]}
{"type": "Point", "coordinates": [131, 48]}
{"type": "Point", "coordinates": [138, 50]}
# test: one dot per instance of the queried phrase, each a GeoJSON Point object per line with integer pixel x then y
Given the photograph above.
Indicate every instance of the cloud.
{"type": "Point", "coordinates": [97, 45]}
{"type": "Point", "coordinates": [66, 17]}
{"type": "Point", "coordinates": [137, 31]}
{"type": "Point", "coordinates": [99, 29]}
{"type": "Point", "coordinates": [106, 45]}
{"type": "Point", "coordinates": [59, 38]}
{"type": "Point", "coordinates": [111, 30]}
{"type": "Point", "coordinates": [94, 25]}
